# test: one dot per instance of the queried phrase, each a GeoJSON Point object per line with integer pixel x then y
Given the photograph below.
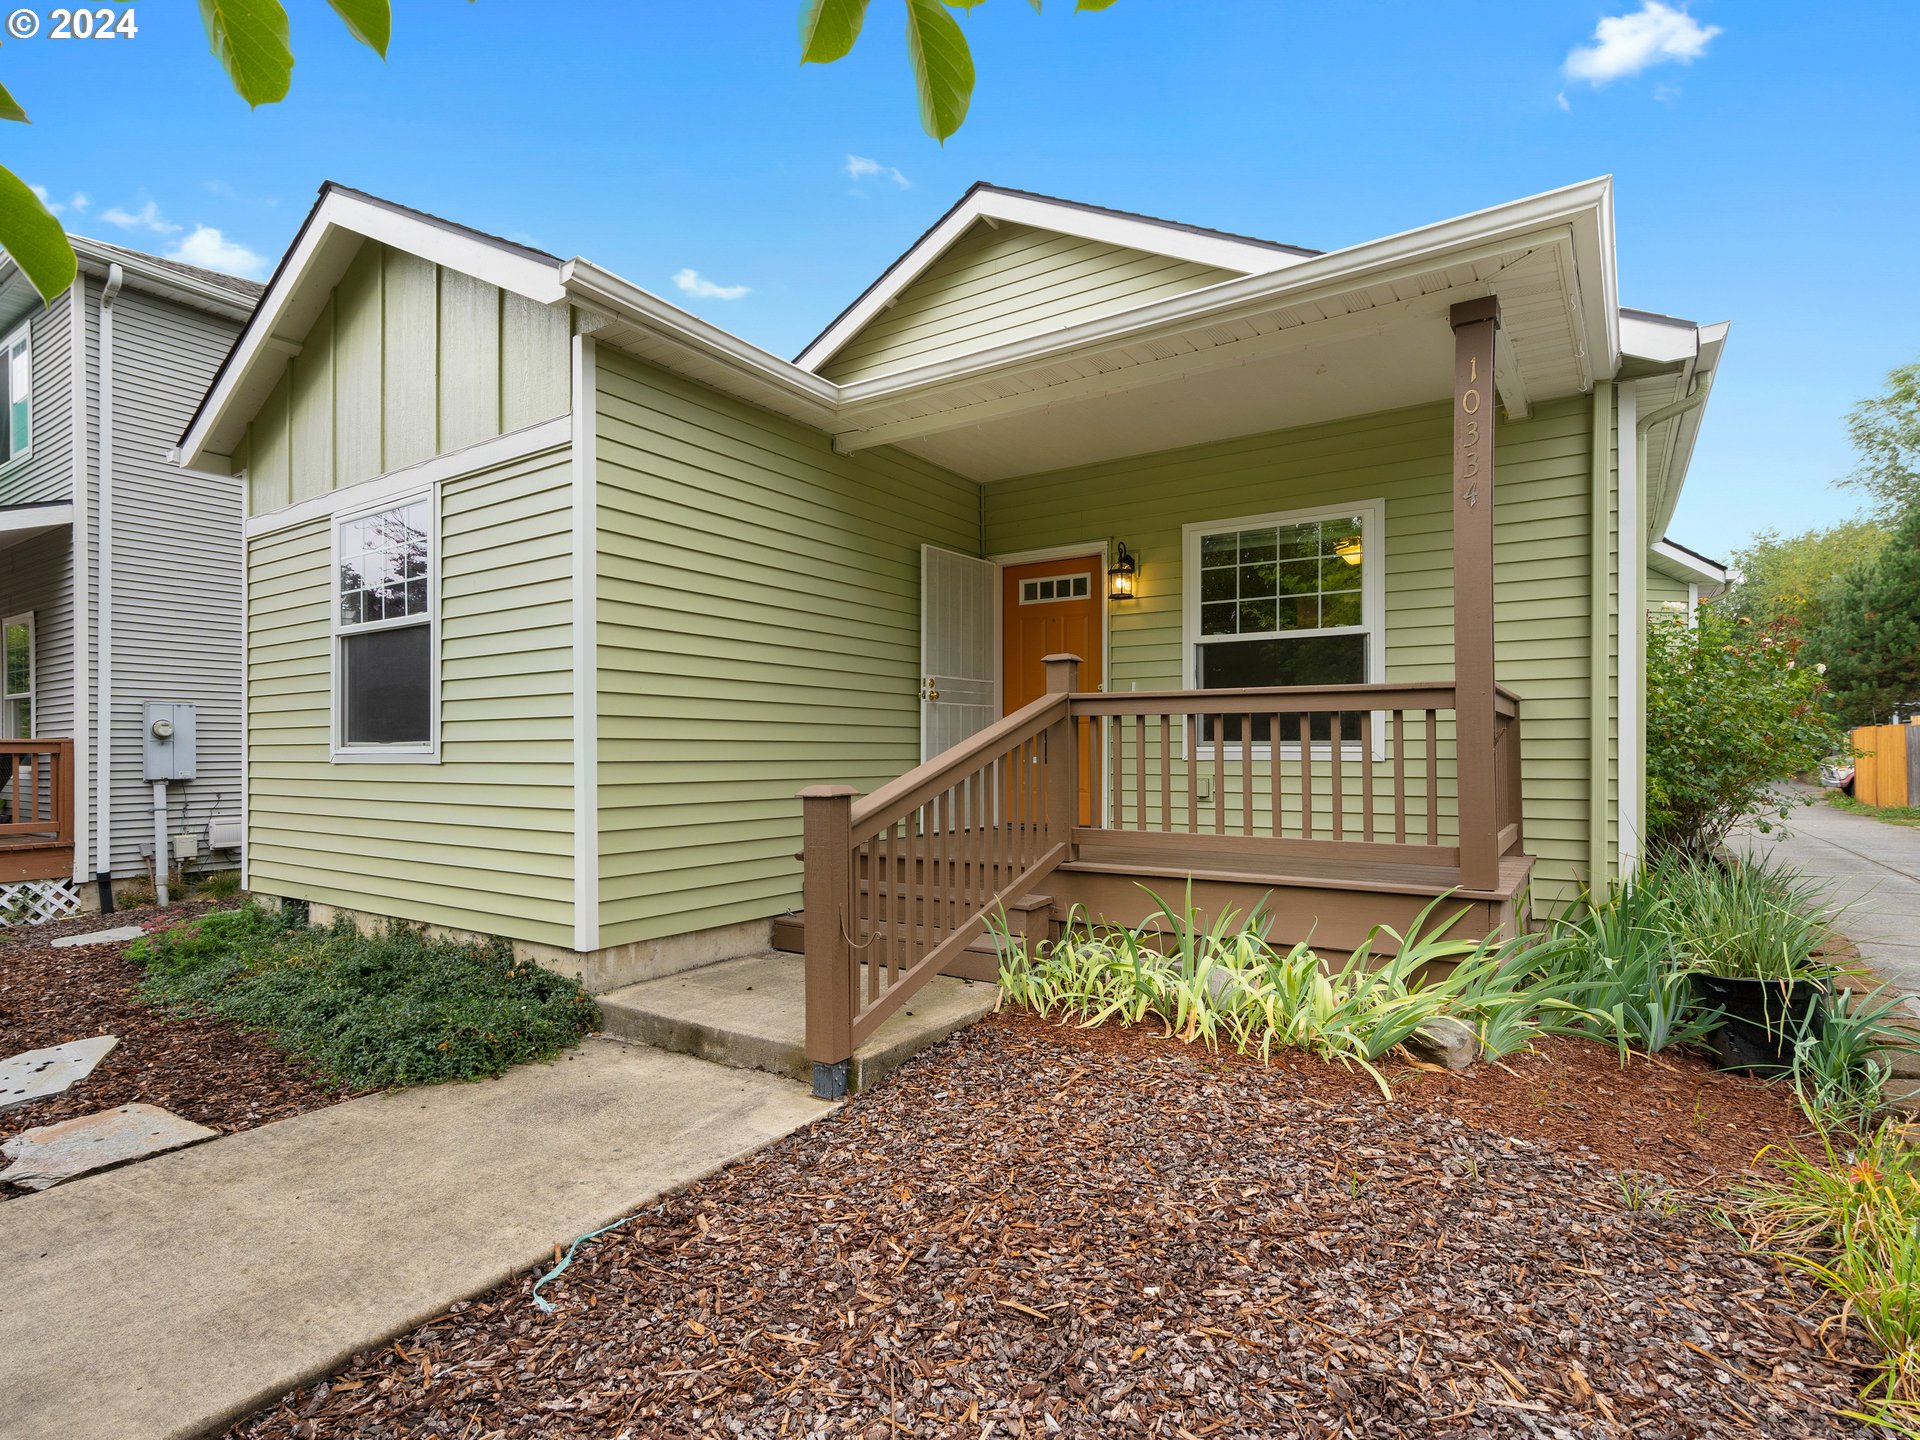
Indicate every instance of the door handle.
{"type": "Point", "coordinates": [931, 690]}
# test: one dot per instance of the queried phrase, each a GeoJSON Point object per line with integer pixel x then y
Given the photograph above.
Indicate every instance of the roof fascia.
{"type": "Point", "coordinates": [1681, 564]}
{"type": "Point", "coordinates": [985, 203]}
{"type": "Point", "coordinates": [142, 274]}
{"type": "Point", "coordinates": [339, 216]}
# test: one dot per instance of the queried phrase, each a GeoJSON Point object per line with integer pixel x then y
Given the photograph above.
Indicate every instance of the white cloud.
{"type": "Point", "coordinates": [1625, 45]}
{"type": "Point", "coordinates": [77, 204]}
{"type": "Point", "coordinates": [147, 217]}
{"type": "Point", "coordinates": [861, 167]}
{"type": "Point", "coordinates": [1561, 101]}
{"type": "Point", "coordinates": [692, 282]}
{"type": "Point", "coordinates": [210, 250]}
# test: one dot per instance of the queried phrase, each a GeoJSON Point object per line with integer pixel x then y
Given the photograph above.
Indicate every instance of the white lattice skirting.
{"type": "Point", "coordinates": [35, 902]}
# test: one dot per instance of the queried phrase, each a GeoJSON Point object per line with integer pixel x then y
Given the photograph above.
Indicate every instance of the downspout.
{"type": "Point", "coordinates": [1635, 775]}
{"type": "Point", "coordinates": [103, 722]}
{"type": "Point", "coordinates": [1599, 696]}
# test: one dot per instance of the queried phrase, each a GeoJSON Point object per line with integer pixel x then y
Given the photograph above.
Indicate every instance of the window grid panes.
{"type": "Point", "coordinates": [1050, 588]}
{"type": "Point", "coordinates": [384, 595]}
{"type": "Point", "coordinates": [383, 566]}
{"type": "Point", "coordinates": [1283, 604]}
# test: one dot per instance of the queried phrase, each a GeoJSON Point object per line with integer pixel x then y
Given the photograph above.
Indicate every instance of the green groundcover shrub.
{"type": "Point", "coordinates": [371, 1011]}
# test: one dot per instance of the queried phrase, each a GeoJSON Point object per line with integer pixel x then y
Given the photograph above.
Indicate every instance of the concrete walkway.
{"type": "Point", "coordinates": [170, 1297]}
{"type": "Point", "coordinates": [1873, 868]}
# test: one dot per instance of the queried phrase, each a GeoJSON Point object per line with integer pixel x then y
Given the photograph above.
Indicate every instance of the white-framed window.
{"type": "Point", "coordinates": [17, 676]}
{"type": "Point", "coordinates": [386, 602]}
{"type": "Point", "coordinates": [1295, 598]}
{"type": "Point", "coordinates": [16, 391]}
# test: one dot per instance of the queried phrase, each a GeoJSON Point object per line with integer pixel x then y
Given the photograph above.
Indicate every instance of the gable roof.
{"type": "Point", "coordinates": [340, 220]}
{"type": "Point", "coordinates": [159, 267]}
{"type": "Point", "coordinates": [990, 204]}
{"type": "Point", "coordinates": [212, 290]}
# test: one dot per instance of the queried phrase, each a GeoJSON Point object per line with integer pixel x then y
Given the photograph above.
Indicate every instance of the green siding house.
{"type": "Point", "coordinates": [558, 596]}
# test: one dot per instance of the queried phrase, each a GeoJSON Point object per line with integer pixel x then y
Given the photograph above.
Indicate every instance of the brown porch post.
{"type": "Point", "coordinates": [1474, 323]}
{"type": "Point", "coordinates": [832, 973]}
{"type": "Point", "coordinates": [1063, 757]}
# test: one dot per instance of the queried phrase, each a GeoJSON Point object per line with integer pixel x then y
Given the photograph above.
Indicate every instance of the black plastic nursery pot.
{"type": "Point", "coordinates": [1763, 1019]}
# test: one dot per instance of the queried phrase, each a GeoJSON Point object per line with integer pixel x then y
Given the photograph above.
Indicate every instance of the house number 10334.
{"type": "Point", "coordinates": [1470, 434]}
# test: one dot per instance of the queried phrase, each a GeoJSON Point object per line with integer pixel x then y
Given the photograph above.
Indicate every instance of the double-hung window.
{"type": "Point", "coordinates": [386, 690]}
{"type": "Point", "coordinates": [1293, 599]}
{"type": "Point", "coordinates": [16, 395]}
{"type": "Point", "coordinates": [17, 677]}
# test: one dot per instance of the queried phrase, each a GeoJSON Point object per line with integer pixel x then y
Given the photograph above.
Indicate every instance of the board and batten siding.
{"type": "Point", "coordinates": [45, 476]}
{"type": "Point", "coordinates": [406, 360]}
{"type": "Point", "coordinates": [758, 631]}
{"type": "Point", "coordinates": [176, 572]}
{"type": "Point", "coordinates": [995, 285]}
{"type": "Point", "coordinates": [1542, 560]}
{"type": "Point", "coordinates": [484, 840]}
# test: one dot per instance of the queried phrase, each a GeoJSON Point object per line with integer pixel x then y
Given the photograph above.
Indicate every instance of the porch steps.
{"type": "Point", "coordinates": [750, 1013]}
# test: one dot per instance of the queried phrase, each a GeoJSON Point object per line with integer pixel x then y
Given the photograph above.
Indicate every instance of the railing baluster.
{"type": "Point", "coordinates": [1306, 776]}
{"type": "Point", "coordinates": [1366, 775]}
{"type": "Point", "coordinates": [1140, 772]}
{"type": "Point", "coordinates": [1219, 774]}
{"type": "Point", "coordinates": [1193, 774]}
{"type": "Point", "coordinates": [1337, 783]}
{"type": "Point", "coordinates": [1274, 773]}
{"type": "Point", "coordinates": [1116, 742]}
{"type": "Point", "coordinates": [1166, 772]}
{"type": "Point", "coordinates": [1399, 778]}
{"type": "Point", "coordinates": [1246, 776]}
{"type": "Point", "coordinates": [1433, 777]}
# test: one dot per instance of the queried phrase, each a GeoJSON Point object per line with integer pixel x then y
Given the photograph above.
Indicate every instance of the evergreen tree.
{"type": "Point", "coordinates": [1868, 631]}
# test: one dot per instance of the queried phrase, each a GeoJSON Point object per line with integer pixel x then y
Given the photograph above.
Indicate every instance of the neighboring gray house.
{"type": "Point", "coordinates": [119, 573]}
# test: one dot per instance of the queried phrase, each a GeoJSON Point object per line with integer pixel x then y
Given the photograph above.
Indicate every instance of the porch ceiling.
{"type": "Point", "coordinates": [1289, 360]}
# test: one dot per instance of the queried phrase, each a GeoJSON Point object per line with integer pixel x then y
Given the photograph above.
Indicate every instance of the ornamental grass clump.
{"type": "Point", "coordinates": [1849, 1217]}
{"type": "Point", "coordinates": [1224, 983]}
{"type": "Point", "coordinates": [398, 1007]}
{"type": "Point", "coordinates": [1744, 920]}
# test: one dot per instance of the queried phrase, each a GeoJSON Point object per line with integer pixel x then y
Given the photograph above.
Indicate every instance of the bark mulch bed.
{"type": "Point", "coordinates": [1036, 1231]}
{"type": "Point", "coordinates": [207, 1071]}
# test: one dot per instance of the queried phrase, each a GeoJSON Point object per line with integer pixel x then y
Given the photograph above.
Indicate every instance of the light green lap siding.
{"type": "Point", "coordinates": [1403, 457]}
{"type": "Point", "coordinates": [996, 285]}
{"type": "Point", "coordinates": [484, 840]}
{"type": "Point", "coordinates": [1665, 595]}
{"type": "Point", "coordinates": [758, 631]}
{"type": "Point", "coordinates": [406, 360]}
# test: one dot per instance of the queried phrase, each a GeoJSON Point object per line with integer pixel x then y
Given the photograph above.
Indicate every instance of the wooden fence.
{"type": "Point", "coordinates": [1886, 768]}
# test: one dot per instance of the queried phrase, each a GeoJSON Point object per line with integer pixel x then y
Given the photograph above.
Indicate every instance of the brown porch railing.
{"type": "Point", "coordinates": [36, 792]}
{"type": "Point", "coordinates": [900, 882]}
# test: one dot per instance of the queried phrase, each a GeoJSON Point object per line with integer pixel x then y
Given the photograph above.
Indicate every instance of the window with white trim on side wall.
{"type": "Point", "coordinates": [386, 698]}
{"type": "Point", "coordinates": [18, 676]}
{"type": "Point", "coordinates": [16, 395]}
{"type": "Point", "coordinates": [1296, 598]}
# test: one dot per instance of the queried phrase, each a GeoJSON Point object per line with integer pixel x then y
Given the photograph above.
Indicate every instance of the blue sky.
{"type": "Point", "coordinates": [1765, 172]}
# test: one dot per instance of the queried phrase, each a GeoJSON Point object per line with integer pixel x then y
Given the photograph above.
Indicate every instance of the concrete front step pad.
{"type": "Point", "coordinates": [752, 1013]}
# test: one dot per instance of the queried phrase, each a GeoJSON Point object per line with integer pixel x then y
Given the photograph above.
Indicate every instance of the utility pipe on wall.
{"type": "Point", "coordinates": [160, 863]}
{"type": "Point", "coordinates": [103, 724]}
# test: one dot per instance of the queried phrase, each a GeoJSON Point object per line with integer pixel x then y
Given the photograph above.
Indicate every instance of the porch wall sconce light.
{"type": "Point", "coordinates": [1120, 574]}
{"type": "Point", "coordinates": [1348, 549]}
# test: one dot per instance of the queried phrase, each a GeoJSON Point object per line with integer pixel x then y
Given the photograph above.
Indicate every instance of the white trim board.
{"type": "Point", "coordinates": [586, 669]}
{"type": "Point", "coordinates": [22, 521]}
{"type": "Point", "coordinates": [375, 493]}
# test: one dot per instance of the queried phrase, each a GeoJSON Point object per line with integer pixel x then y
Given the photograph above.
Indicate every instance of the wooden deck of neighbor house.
{"type": "Point", "coordinates": [36, 810]}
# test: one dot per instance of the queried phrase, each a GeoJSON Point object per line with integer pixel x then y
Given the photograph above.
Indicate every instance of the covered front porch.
{"type": "Point", "coordinates": [1248, 699]}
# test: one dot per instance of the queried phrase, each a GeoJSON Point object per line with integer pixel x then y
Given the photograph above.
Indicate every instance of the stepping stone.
{"type": "Point", "coordinates": [48, 1154]}
{"type": "Point", "coordinates": [99, 937]}
{"type": "Point", "coordinates": [36, 1074]}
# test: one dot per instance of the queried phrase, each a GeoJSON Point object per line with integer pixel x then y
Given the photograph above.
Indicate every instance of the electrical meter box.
{"type": "Point", "coordinates": [171, 732]}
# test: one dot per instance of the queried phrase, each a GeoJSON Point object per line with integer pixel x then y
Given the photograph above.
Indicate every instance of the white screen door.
{"type": "Point", "coordinates": [958, 644]}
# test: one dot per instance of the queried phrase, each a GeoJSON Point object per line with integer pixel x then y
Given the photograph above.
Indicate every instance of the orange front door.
{"type": "Point", "coordinates": [1052, 607]}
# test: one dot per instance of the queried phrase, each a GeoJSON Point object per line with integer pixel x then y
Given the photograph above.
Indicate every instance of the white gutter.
{"type": "Point", "coordinates": [82, 599]}
{"type": "Point", "coordinates": [103, 795]}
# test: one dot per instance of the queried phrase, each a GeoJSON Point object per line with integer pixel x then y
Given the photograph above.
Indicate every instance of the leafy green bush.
{"type": "Point", "coordinates": [1730, 714]}
{"type": "Point", "coordinates": [371, 1011]}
